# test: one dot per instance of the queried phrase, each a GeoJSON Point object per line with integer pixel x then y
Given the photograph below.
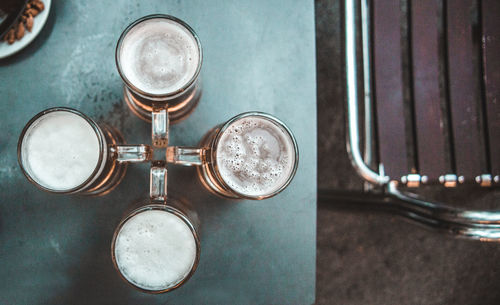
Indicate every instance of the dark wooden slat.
{"type": "Point", "coordinates": [464, 88]}
{"type": "Point", "coordinates": [389, 87]}
{"type": "Point", "coordinates": [431, 135]}
{"type": "Point", "coordinates": [491, 69]}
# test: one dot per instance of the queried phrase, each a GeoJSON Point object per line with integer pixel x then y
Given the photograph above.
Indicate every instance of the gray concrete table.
{"type": "Point", "coordinates": [259, 55]}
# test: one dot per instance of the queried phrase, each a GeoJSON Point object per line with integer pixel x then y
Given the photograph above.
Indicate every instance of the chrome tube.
{"type": "Point", "coordinates": [479, 218]}
{"type": "Point", "coordinates": [365, 33]}
{"type": "Point", "coordinates": [353, 143]}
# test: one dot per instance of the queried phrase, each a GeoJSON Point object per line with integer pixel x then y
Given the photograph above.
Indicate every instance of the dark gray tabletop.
{"type": "Point", "coordinates": [258, 55]}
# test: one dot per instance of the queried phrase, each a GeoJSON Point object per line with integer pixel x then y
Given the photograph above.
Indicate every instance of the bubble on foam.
{"type": "Point", "coordinates": [156, 56]}
{"type": "Point", "coordinates": [155, 250]}
{"type": "Point", "coordinates": [60, 150]}
{"type": "Point", "coordinates": [255, 156]}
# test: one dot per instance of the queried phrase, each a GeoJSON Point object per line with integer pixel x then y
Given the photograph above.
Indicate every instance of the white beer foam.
{"type": "Point", "coordinates": [255, 156]}
{"type": "Point", "coordinates": [60, 150]}
{"type": "Point", "coordinates": [159, 56]}
{"type": "Point", "coordinates": [155, 250]}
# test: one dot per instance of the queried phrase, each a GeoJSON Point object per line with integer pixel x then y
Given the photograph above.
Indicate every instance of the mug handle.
{"type": "Point", "coordinates": [187, 156]}
{"type": "Point", "coordinates": [158, 181]}
{"type": "Point", "coordinates": [131, 153]}
{"type": "Point", "coordinates": [159, 125]}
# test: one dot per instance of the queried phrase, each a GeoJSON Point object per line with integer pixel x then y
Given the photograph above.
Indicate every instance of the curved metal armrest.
{"type": "Point", "coordinates": [476, 225]}
{"type": "Point", "coordinates": [353, 143]}
{"type": "Point", "coordinates": [473, 224]}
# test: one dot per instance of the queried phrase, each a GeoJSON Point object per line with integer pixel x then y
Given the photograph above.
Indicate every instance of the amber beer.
{"type": "Point", "coordinates": [156, 248]}
{"type": "Point", "coordinates": [60, 150]}
{"type": "Point", "coordinates": [253, 156]}
{"type": "Point", "coordinates": [159, 58]}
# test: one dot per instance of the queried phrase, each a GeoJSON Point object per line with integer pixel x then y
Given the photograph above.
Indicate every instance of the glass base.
{"type": "Point", "coordinates": [175, 113]}
{"type": "Point", "coordinates": [113, 172]}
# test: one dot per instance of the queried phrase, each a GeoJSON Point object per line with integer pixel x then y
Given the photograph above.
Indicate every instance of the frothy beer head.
{"type": "Point", "coordinates": [159, 56]}
{"type": "Point", "coordinates": [256, 156]}
{"type": "Point", "coordinates": [60, 150]}
{"type": "Point", "coordinates": [155, 250]}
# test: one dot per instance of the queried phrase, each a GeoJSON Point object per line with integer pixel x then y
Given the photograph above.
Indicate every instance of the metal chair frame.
{"type": "Point", "coordinates": [472, 224]}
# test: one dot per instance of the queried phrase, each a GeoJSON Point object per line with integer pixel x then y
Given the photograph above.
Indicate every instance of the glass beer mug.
{"type": "Point", "coordinates": [253, 156]}
{"type": "Point", "coordinates": [61, 150]}
{"type": "Point", "coordinates": [156, 247]}
{"type": "Point", "coordinates": [159, 59]}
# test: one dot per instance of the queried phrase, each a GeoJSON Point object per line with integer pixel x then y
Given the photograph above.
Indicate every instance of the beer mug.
{"type": "Point", "coordinates": [159, 59]}
{"type": "Point", "coordinates": [63, 151]}
{"type": "Point", "coordinates": [253, 156]}
{"type": "Point", "coordinates": [156, 247]}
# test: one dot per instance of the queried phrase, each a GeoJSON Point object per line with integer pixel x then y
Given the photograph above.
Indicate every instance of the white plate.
{"type": "Point", "coordinates": [39, 21]}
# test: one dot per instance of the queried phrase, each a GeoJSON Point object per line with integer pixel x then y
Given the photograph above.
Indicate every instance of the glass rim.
{"type": "Point", "coordinates": [169, 209]}
{"type": "Point", "coordinates": [274, 120]}
{"type": "Point", "coordinates": [145, 94]}
{"type": "Point", "coordinates": [35, 119]}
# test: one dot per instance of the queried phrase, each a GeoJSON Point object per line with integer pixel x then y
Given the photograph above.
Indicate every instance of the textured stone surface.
{"type": "Point", "coordinates": [257, 56]}
{"type": "Point", "coordinates": [366, 258]}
